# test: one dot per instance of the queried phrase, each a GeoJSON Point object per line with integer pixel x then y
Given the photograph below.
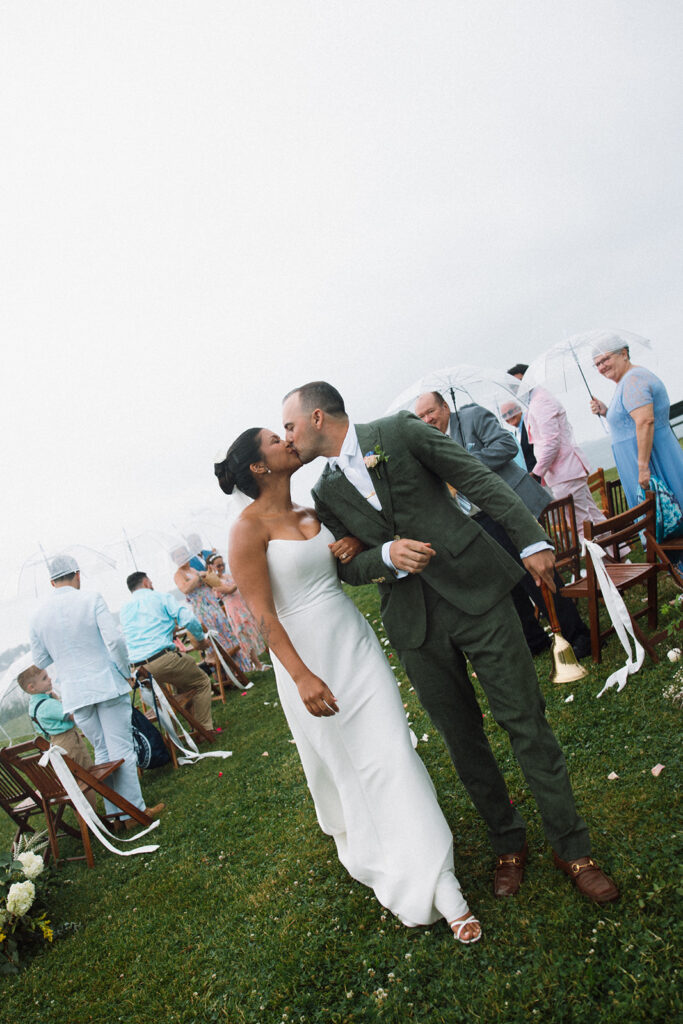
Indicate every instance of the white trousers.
{"type": "Point", "coordinates": [584, 506]}
{"type": "Point", "coordinates": [107, 726]}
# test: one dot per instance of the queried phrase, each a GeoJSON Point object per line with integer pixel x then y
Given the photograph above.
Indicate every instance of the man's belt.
{"type": "Point", "coordinates": [146, 661]}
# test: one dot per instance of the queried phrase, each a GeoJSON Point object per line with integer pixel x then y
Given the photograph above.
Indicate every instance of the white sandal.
{"type": "Point", "coordinates": [458, 925]}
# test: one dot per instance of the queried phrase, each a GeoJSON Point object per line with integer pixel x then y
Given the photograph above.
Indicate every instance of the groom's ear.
{"type": "Point", "coordinates": [318, 418]}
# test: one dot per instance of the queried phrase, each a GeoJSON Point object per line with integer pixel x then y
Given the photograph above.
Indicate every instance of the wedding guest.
{"type": "Point", "coordinates": [242, 621]}
{"type": "Point", "coordinates": [149, 620]}
{"type": "Point", "coordinates": [560, 463]}
{"type": "Point", "coordinates": [643, 441]}
{"type": "Point", "coordinates": [201, 554]}
{"type": "Point", "coordinates": [207, 603]}
{"type": "Point", "coordinates": [513, 413]}
{"type": "Point", "coordinates": [76, 630]}
{"type": "Point", "coordinates": [478, 431]}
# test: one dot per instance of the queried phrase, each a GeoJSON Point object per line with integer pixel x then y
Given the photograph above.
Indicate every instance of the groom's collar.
{"type": "Point", "coordinates": [348, 451]}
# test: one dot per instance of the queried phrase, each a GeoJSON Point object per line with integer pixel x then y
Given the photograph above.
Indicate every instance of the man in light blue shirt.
{"type": "Point", "coordinates": [149, 620]}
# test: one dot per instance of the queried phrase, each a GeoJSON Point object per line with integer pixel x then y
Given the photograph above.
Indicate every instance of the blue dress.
{"type": "Point", "coordinates": [636, 388]}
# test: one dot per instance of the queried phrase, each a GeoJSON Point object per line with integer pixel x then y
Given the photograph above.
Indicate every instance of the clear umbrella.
{"type": "Point", "coordinates": [14, 720]}
{"type": "Point", "coordinates": [463, 384]}
{"type": "Point", "coordinates": [570, 362]}
{"type": "Point", "coordinates": [34, 575]}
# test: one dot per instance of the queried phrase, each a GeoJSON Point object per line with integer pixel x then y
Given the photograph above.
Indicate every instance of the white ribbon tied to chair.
{"type": "Point", "coordinates": [214, 636]}
{"type": "Point", "coordinates": [169, 720]}
{"type": "Point", "coordinates": [621, 620]}
{"type": "Point", "coordinates": [53, 757]}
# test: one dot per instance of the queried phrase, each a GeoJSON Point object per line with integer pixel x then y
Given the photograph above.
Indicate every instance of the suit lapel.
{"type": "Point", "coordinates": [369, 435]}
{"type": "Point", "coordinates": [336, 485]}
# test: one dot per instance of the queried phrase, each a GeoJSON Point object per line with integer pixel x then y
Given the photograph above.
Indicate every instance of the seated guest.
{"type": "Point", "coordinates": [149, 620]}
{"type": "Point", "coordinates": [201, 589]}
{"type": "Point", "coordinates": [46, 711]}
{"type": "Point", "coordinates": [242, 621]}
{"type": "Point", "coordinates": [478, 431]}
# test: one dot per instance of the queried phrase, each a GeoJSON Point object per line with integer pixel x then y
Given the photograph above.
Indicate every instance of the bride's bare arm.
{"type": "Point", "coordinates": [249, 568]}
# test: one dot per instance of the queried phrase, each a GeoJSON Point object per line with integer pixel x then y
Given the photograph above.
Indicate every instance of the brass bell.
{"type": "Point", "coordinates": [566, 668]}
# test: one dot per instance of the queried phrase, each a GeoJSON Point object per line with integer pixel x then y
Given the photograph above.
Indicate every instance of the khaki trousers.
{"type": "Point", "coordinates": [73, 743]}
{"type": "Point", "coordinates": [185, 676]}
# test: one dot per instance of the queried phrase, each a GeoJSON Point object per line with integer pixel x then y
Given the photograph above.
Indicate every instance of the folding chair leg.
{"type": "Point", "coordinates": [85, 836]}
{"type": "Point", "coordinates": [645, 640]}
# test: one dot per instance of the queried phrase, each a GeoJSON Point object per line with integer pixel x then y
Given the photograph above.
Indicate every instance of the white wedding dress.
{"type": "Point", "coordinates": [371, 791]}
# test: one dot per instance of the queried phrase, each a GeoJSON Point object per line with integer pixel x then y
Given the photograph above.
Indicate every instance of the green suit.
{"type": "Point", "coordinates": [460, 603]}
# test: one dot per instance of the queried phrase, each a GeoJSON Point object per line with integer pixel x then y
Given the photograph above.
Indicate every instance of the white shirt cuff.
{"type": "Point", "coordinates": [386, 558]}
{"type": "Point", "coordinates": [540, 545]}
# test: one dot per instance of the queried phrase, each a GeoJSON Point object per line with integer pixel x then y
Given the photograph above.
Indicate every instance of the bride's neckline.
{"type": "Point", "coordinates": [295, 540]}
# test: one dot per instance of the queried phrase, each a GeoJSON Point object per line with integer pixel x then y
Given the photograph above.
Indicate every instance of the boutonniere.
{"type": "Point", "coordinates": [374, 459]}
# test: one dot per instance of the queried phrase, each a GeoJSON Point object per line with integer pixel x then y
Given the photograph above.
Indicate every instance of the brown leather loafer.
{"type": "Point", "coordinates": [509, 872]}
{"type": "Point", "coordinates": [151, 812]}
{"type": "Point", "coordinates": [588, 879]}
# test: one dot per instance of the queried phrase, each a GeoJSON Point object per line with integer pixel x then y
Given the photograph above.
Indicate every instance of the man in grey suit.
{"type": "Point", "coordinates": [444, 586]}
{"type": "Point", "coordinates": [477, 430]}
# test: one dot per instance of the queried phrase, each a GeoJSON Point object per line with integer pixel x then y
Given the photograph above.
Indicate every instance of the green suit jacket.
{"type": "Point", "coordinates": [469, 569]}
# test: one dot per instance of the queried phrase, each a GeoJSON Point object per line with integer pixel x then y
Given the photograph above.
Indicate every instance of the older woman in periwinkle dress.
{"type": "Point", "coordinates": [643, 441]}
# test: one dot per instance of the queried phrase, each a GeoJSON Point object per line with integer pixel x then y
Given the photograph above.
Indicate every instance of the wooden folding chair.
{"type": "Point", "coordinates": [24, 758]}
{"type": "Point", "coordinates": [598, 487]}
{"type": "Point", "coordinates": [610, 535]}
{"type": "Point", "coordinates": [18, 800]}
{"type": "Point", "coordinates": [559, 522]}
{"type": "Point", "coordinates": [234, 676]}
{"type": "Point", "coordinates": [616, 499]}
{"type": "Point", "coordinates": [661, 550]}
{"type": "Point", "coordinates": [180, 704]}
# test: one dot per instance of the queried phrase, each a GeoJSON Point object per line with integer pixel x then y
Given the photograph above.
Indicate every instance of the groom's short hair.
{"type": "Point", "coordinates": [319, 395]}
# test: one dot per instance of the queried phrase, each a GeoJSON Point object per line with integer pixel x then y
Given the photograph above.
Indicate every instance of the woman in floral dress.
{"type": "Point", "coordinates": [242, 621]}
{"type": "Point", "coordinates": [207, 604]}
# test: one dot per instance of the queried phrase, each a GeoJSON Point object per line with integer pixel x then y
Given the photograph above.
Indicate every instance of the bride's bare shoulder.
{"type": "Point", "coordinates": [248, 530]}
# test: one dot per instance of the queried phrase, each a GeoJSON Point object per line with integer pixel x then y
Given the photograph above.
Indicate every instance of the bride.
{"type": "Point", "coordinates": [371, 791]}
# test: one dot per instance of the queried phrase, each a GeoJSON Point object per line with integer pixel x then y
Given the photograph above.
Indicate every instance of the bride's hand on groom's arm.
{"type": "Point", "coordinates": [411, 555]}
{"type": "Point", "coordinates": [316, 695]}
{"type": "Point", "coordinates": [347, 548]}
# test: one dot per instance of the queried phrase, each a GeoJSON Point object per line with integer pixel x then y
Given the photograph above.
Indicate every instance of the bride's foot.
{"type": "Point", "coordinates": [466, 929]}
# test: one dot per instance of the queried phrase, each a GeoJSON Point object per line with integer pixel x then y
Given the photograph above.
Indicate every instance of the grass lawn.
{"type": "Point", "coordinates": [245, 915]}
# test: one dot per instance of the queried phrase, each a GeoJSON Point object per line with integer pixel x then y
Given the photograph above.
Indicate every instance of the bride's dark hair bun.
{"type": "Point", "coordinates": [234, 470]}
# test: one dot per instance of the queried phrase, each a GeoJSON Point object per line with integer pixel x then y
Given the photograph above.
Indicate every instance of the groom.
{"type": "Point", "coordinates": [444, 587]}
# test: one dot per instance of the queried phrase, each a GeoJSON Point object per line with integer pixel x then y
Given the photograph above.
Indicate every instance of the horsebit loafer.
{"type": "Point", "coordinates": [509, 872]}
{"type": "Point", "coordinates": [589, 879]}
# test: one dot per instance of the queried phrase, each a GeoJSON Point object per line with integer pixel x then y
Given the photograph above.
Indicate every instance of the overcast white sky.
{"type": "Point", "coordinates": [206, 203]}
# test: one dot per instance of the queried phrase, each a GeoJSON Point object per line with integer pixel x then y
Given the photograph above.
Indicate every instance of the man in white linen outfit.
{"type": "Point", "coordinates": [75, 630]}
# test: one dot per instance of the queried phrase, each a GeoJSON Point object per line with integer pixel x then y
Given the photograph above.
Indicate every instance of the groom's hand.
{"type": "Point", "coordinates": [317, 696]}
{"type": "Point", "coordinates": [541, 566]}
{"type": "Point", "coordinates": [411, 555]}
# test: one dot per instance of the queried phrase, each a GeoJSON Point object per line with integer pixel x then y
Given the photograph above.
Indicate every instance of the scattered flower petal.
{"type": "Point", "coordinates": [674, 654]}
{"type": "Point", "coordinates": [569, 699]}
{"type": "Point", "coordinates": [657, 770]}
{"type": "Point", "coordinates": [612, 775]}
{"type": "Point", "coordinates": [265, 754]}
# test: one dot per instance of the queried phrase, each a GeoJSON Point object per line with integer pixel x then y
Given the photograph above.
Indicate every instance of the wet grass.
{"type": "Point", "coordinates": [245, 915]}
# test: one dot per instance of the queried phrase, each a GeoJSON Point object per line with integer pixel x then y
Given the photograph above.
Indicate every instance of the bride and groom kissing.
{"type": "Point", "coordinates": [384, 514]}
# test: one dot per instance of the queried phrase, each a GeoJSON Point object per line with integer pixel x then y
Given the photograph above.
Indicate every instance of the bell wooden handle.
{"type": "Point", "coordinates": [550, 605]}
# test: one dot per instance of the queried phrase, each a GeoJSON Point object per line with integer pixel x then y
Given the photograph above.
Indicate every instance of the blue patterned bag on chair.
{"type": "Point", "coordinates": [669, 515]}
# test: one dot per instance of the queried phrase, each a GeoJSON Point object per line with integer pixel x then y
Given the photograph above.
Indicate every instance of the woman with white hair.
{"type": "Point", "coordinates": [643, 442]}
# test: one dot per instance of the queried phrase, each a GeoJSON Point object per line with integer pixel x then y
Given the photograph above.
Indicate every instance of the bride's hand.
{"type": "Point", "coordinates": [317, 696]}
{"type": "Point", "coordinates": [346, 548]}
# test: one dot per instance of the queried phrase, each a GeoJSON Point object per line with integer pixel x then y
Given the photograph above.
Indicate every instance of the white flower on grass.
{"type": "Point", "coordinates": [20, 898]}
{"type": "Point", "coordinates": [31, 864]}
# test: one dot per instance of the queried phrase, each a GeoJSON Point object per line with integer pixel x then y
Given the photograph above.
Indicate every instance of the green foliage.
{"type": "Point", "coordinates": [245, 915]}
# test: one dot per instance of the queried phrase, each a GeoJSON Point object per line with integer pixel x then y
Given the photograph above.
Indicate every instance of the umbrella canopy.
{"type": "Point", "coordinates": [570, 362]}
{"type": "Point", "coordinates": [462, 384]}
{"type": "Point", "coordinates": [14, 720]}
{"type": "Point", "coordinates": [34, 576]}
{"type": "Point", "coordinates": [148, 551]}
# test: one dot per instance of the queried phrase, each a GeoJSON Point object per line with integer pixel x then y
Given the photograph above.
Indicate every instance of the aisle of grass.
{"type": "Point", "coordinates": [245, 915]}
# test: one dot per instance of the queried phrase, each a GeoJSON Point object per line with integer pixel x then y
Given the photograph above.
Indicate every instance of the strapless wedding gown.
{"type": "Point", "coordinates": [371, 791]}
